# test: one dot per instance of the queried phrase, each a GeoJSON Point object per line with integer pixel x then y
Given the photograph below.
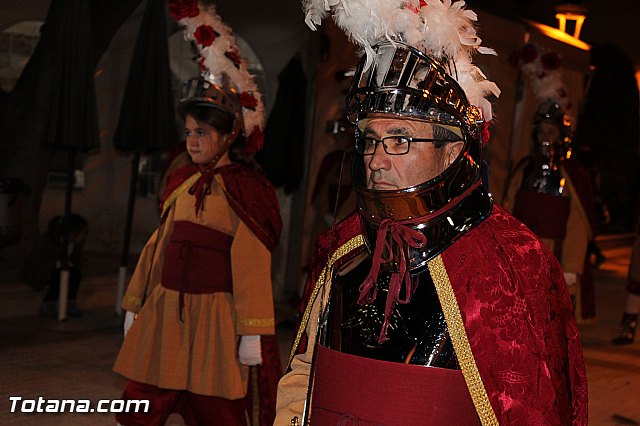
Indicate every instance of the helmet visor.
{"type": "Point", "coordinates": [404, 81]}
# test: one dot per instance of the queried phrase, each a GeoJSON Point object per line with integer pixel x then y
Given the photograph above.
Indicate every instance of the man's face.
{"type": "Point", "coordinates": [421, 163]}
{"type": "Point", "coordinates": [203, 142]}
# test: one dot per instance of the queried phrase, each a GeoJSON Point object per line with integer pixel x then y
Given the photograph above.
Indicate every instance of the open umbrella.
{"type": "Point", "coordinates": [72, 124]}
{"type": "Point", "coordinates": [147, 116]}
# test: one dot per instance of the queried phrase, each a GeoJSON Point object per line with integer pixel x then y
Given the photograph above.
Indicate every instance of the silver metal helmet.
{"type": "Point", "coordinates": [403, 82]}
{"type": "Point", "coordinates": [551, 112]}
{"type": "Point", "coordinates": [201, 92]}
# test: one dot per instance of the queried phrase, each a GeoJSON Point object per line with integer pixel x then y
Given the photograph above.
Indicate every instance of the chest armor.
{"type": "Point", "coordinates": [540, 203]}
{"type": "Point", "coordinates": [543, 179]}
{"type": "Point", "coordinates": [417, 331]}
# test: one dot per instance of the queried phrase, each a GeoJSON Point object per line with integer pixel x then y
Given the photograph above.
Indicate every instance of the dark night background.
{"type": "Point", "coordinates": [608, 117]}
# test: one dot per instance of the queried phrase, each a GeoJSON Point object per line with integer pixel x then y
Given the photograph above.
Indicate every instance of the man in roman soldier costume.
{"type": "Point", "coordinates": [203, 343]}
{"type": "Point", "coordinates": [555, 201]}
{"type": "Point", "coordinates": [429, 305]}
{"type": "Point", "coordinates": [554, 196]}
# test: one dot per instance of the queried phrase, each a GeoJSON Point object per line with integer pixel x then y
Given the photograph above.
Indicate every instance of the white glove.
{"type": "Point", "coordinates": [128, 321]}
{"type": "Point", "coordinates": [250, 350]}
{"type": "Point", "coordinates": [570, 278]}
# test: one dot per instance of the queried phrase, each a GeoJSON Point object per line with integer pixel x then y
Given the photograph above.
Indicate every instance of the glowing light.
{"type": "Point", "coordinates": [561, 36]}
{"type": "Point", "coordinates": [571, 12]}
{"type": "Point", "coordinates": [564, 17]}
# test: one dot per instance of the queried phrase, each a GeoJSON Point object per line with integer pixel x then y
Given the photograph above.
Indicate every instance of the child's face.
{"type": "Point", "coordinates": [205, 143]}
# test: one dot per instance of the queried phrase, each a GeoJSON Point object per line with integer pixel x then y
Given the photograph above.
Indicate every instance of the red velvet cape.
{"type": "Point", "coordinates": [518, 318]}
{"type": "Point", "coordinates": [252, 198]}
{"type": "Point", "coordinates": [250, 195]}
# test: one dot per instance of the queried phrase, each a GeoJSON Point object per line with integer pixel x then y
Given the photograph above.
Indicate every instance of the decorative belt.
{"type": "Point", "coordinates": [197, 260]}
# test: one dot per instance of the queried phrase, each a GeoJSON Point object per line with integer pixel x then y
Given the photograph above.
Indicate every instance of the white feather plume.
{"type": "Point", "coordinates": [440, 28]}
{"type": "Point", "coordinates": [218, 64]}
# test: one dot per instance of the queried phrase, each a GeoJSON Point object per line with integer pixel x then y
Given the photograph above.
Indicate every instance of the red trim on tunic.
{"type": "Point", "coordinates": [371, 392]}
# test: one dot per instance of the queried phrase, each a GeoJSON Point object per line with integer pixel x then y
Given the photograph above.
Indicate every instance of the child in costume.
{"type": "Point", "coordinates": [201, 291]}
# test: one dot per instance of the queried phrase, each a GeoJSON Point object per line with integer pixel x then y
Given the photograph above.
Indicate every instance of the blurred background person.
{"type": "Point", "coordinates": [43, 265]}
{"type": "Point", "coordinates": [555, 200]}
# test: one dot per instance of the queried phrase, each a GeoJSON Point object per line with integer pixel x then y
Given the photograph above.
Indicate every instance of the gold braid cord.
{"type": "Point", "coordinates": [179, 190]}
{"type": "Point", "coordinates": [343, 250]}
{"type": "Point", "coordinates": [461, 342]}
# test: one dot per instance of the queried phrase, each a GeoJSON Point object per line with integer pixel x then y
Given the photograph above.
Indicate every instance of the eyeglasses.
{"type": "Point", "coordinates": [393, 145]}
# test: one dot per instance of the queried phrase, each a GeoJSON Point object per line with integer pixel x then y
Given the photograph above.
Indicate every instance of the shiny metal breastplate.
{"type": "Point", "coordinates": [417, 332]}
{"type": "Point", "coordinates": [543, 179]}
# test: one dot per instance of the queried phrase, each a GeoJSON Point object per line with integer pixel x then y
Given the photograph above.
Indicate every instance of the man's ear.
{"type": "Point", "coordinates": [453, 149]}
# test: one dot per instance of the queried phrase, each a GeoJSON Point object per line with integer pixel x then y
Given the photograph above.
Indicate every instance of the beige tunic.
{"type": "Point", "coordinates": [200, 353]}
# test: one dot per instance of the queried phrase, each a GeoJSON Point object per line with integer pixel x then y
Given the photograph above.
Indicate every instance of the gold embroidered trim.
{"type": "Point", "coordinates": [257, 322]}
{"type": "Point", "coordinates": [461, 342]}
{"type": "Point", "coordinates": [133, 300]}
{"type": "Point", "coordinates": [347, 247]}
{"type": "Point", "coordinates": [218, 178]}
{"type": "Point", "coordinates": [174, 195]}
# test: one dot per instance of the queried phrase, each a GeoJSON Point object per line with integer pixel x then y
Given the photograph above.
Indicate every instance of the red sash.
{"type": "Point", "coordinates": [197, 260]}
{"type": "Point", "coordinates": [546, 215]}
{"type": "Point", "coordinates": [351, 390]}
